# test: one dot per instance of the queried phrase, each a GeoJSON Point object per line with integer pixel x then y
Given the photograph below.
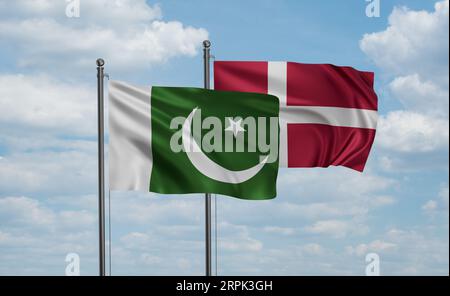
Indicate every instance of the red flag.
{"type": "Point", "coordinates": [328, 114]}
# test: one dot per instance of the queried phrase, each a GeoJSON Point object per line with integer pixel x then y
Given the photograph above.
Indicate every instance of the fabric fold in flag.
{"type": "Point", "coordinates": [328, 114]}
{"type": "Point", "coordinates": [176, 140]}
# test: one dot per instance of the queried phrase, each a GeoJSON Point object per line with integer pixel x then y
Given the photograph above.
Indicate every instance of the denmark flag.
{"type": "Point", "coordinates": [328, 114]}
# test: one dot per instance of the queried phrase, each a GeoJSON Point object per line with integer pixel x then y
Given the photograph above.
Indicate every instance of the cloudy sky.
{"type": "Point", "coordinates": [323, 222]}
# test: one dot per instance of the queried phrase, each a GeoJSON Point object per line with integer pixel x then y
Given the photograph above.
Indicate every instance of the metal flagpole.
{"type": "Point", "coordinates": [101, 167]}
{"type": "Point", "coordinates": [206, 68]}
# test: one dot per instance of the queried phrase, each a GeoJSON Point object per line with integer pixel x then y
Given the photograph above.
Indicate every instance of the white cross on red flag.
{"type": "Point", "coordinates": [328, 114]}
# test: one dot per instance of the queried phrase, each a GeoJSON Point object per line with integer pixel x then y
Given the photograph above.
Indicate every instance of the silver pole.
{"type": "Point", "coordinates": [101, 167]}
{"type": "Point", "coordinates": [206, 68]}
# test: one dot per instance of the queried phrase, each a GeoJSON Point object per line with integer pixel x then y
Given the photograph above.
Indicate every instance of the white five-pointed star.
{"type": "Point", "coordinates": [235, 126]}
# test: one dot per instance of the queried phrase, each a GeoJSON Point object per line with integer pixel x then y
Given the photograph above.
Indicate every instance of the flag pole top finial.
{"type": "Point", "coordinates": [206, 44]}
{"type": "Point", "coordinates": [100, 62]}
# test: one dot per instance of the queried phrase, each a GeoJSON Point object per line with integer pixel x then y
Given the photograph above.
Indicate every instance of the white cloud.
{"type": "Point", "coordinates": [135, 239]}
{"type": "Point", "coordinates": [413, 50]}
{"type": "Point", "coordinates": [336, 183]}
{"type": "Point", "coordinates": [438, 205]}
{"type": "Point", "coordinates": [128, 34]}
{"type": "Point", "coordinates": [113, 11]}
{"type": "Point", "coordinates": [343, 193]}
{"type": "Point", "coordinates": [158, 253]}
{"type": "Point", "coordinates": [24, 211]}
{"type": "Point", "coordinates": [236, 238]}
{"type": "Point", "coordinates": [31, 213]}
{"type": "Point", "coordinates": [429, 206]}
{"type": "Point", "coordinates": [10, 240]}
{"type": "Point", "coordinates": [35, 238]}
{"type": "Point", "coordinates": [414, 42]}
{"type": "Point", "coordinates": [148, 208]}
{"type": "Point", "coordinates": [77, 219]}
{"type": "Point", "coordinates": [407, 131]}
{"type": "Point", "coordinates": [248, 244]}
{"type": "Point", "coordinates": [53, 172]}
{"type": "Point", "coordinates": [377, 246]}
{"type": "Point", "coordinates": [43, 103]}
{"type": "Point", "coordinates": [150, 259]}
{"type": "Point", "coordinates": [331, 203]}
{"type": "Point", "coordinates": [395, 162]}
{"type": "Point", "coordinates": [279, 230]}
{"type": "Point", "coordinates": [418, 252]}
{"type": "Point", "coordinates": [336, 228]}
{"type": "Point", "coordinates": [383, 200]}
{"type": "Point", "coordinates": [313, 249]}
{"type": "Point", "coordinates": [420, 96]}
{"type": "Point", "coordinates": [444, 196]}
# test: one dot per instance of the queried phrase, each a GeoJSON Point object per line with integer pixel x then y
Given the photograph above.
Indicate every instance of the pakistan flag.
{"type": "Point", "coordinates": [177, 140]}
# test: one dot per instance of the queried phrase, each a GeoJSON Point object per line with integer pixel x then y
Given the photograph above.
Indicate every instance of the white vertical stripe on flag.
{"type": "Point", "coordinates": [130, 156]}
{"type": "Point", "coordinates": [277, 86]}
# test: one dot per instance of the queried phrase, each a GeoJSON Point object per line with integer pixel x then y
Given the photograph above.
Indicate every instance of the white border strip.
{"type": "Point", "coordinates": [130, 155]}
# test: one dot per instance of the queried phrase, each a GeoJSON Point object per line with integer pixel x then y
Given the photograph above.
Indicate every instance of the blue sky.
{"type": "Point", "coordinates": [323, 222]}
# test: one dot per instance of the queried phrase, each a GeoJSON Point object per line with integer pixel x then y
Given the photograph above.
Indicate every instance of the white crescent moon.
{"type": "Point", "coordinates": [208, 167]}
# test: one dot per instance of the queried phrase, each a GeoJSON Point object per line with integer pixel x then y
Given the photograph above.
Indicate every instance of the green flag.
{"type": "Point", "coordinates": [176, 140]}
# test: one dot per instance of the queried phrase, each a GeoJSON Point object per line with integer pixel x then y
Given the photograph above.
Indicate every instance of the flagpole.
{"type": "Point", "coordinates": [206, 73]}
{"type": "Point", "coordinates": [101, 166]}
